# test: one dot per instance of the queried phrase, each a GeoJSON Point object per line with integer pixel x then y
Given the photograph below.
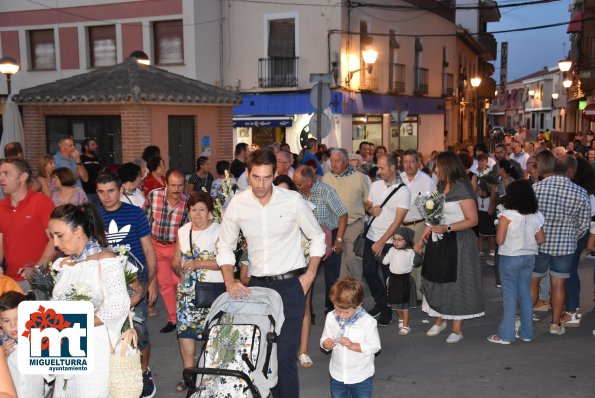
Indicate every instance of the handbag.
{"type": "Point", "coordinates": [125, 373]}
{"type": "Point", "coordinates": [205, 293]}
{"type": "Point", "coordinates": [358, 243]}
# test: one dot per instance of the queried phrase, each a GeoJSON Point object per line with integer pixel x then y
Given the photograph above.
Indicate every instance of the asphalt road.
{"type": "Point", "coordinates": [419, 366]}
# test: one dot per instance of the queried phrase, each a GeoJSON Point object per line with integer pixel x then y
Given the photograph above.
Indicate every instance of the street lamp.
{"type": "Point", "coordinates": [475, 82]}
{"type": "Point", "coordinates": [8, 67]}
{"type": "Point", "coordinates": [567, 83]}
{"type": "Point", "coordinates": [564, 65]}
{"type": "Point", "coordinates": [141, 57]}
{"type": "Point", "coordinates": [370, 56]}
{"type": "Point", "coordinates": [554, 97]}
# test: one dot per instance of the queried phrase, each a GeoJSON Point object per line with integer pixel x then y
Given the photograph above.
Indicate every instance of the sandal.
{"type": "Point", "coordinates": [181, 386]}
{"type": "Point", "coordinates": [306, 361]}
{"type": "Point", "coordinates": [404, 330]}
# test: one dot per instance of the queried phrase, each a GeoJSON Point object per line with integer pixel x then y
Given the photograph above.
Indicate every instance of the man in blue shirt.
{"type": "Point", "coordinates": [310, 155]}
{"type": "Point", "coordinates": [126, 226]}
{"type": "Point", "coordinates": [68, 156]}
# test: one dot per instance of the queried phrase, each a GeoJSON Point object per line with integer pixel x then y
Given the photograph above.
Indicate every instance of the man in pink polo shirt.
{"type": "Point", "coordinates": [24, 216]}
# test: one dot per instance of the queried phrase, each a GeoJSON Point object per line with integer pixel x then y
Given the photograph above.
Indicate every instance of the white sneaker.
{"type": "Point", "coordinates": [435, 330]}
{"type": "Point", "coordinates": [573, 322]}
{"type": "Point", "coordinates": [557, 330]}
{"type": "Point", "coordinates": [517, 328]}
{"type": "Point", "coordinates": [454, 338]}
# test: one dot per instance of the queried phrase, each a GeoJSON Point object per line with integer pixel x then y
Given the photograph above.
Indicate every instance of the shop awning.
{"type": "Point", "coordinates": [576, 23]}
{"type": "Point", "coordinates": [263, 121]}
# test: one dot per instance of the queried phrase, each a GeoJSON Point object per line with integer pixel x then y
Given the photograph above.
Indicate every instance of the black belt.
{"type": "Point", "coordinates": [406, 224]}
{"type": "Point", "coordinates": [164, 242]}
{"type": "Point", "coordinates": [287, 275]}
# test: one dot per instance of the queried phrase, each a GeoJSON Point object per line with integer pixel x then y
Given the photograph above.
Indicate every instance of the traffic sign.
{"type": "Point", "coordinates": [325, 125]}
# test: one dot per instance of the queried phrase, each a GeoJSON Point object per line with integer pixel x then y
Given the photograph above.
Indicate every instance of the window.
{"type": "Point", "coordinates": [280, 68]}
{"type": "Point", "coordinates": [168, 38]}
{"type": "Point", "coordinates": [102, 45]}
{"type": "Point", "coordinates": [42, 50]}
{"type": "Point", "coordinates": [106, 130]}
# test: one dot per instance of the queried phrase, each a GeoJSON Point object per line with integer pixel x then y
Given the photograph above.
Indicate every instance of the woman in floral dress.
{"type": "Point", "coordinates": [194, 261]}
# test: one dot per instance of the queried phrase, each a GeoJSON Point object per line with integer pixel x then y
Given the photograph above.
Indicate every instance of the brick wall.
{"type": "Point", "coordinates": [141, 124]}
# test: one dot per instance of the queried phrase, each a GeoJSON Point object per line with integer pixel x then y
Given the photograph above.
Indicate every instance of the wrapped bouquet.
{"type": "Point", "coordinates": [431, 208]}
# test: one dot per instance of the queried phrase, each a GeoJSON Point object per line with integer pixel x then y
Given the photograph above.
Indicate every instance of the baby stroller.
{"type": "Point", "coordinates": [239, 356]}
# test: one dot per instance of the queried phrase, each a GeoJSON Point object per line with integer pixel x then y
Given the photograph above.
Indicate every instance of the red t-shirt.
{"type": "Point", "coordinates": [23, 231]}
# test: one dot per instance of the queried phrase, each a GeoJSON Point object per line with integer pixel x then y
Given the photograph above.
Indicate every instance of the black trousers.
{"type": "Point", "coordinates": [294, 303]}
{"type": "Point", "coordinates": [375, 283]}
{"type": "Point", "coordinates": [332, 269]}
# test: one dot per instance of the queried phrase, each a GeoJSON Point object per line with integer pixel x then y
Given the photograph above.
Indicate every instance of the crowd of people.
{"type": "Point", "coordinates": [356, 215]}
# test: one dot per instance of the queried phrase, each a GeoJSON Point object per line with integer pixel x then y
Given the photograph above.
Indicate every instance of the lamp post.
{"type": "Point", "coordinates": [369, 56]}
{"type": "Point", "coordinates": [141, 57]}
{"type": "Point", "coordinates": [8, 67]}
{"type": "Point", "coordinates": [475, 82]}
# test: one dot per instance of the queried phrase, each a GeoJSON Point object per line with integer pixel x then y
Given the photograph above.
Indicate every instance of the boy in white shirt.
{"type": "Point", "coordinates": [352, 335]}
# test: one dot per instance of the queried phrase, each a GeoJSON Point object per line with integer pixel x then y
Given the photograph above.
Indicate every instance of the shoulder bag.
{"type": "Point", "coordinates": [358, 243]}
{"type": "Point", "coordinates": [205, 292]}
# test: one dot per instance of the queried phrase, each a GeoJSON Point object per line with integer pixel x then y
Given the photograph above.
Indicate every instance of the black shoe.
{"type": "Point", "coordinates": [385, 318]}
{"type": "Point", "coordinates": [149, 388]}
{"type": "Point", "coordinates": [375, 312]}
{"type": "Point", "coordinates": [169, 327]}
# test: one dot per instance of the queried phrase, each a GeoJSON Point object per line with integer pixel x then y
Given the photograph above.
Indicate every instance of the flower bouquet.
{"type": "Point", "coordinates": [431, 208]}
{"type": "Point", "coordinates": [41, 278]}
{"type": "Point", "coordinates": [80, 291]}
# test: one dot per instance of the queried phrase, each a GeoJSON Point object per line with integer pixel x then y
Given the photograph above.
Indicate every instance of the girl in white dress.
{"type": "Point", "coordinates": [77, 231]}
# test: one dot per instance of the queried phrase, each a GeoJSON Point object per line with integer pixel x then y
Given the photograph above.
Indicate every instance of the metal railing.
{"type": "Point", "coordinates": [278, 72]}
{"type": "Point", "coordinates": [448, 84]}
{"type": "Point", "coordinates": [398, 82]}
{"type": "Point", "coordinates": [369, 80]}
{"type": "Point", "coordinates": [422, 76]}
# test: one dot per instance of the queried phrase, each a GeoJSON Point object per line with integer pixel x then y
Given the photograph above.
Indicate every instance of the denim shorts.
{"type": "Point", "coordinates": [558, 266]}
{"type": "Point", "coordinates": [140, 312]}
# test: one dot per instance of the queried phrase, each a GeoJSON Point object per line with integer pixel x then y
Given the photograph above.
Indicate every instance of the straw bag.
{"type": "Point", "coordinates": [125, 374]}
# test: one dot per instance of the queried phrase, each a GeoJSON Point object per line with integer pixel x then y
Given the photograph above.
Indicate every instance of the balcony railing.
{"type": "Point", "coordinates": [369, 81]}
{"type": "Point", "coordinates": [448, 80]}
{"type": "Point", "coordinates": [398, 81]}
{"type": "Point", "coordinates": [277, 72]}
{"type": "Point", "coordinates": [489, 46]}
{"type": "Point", "coordinates": [422, 76]}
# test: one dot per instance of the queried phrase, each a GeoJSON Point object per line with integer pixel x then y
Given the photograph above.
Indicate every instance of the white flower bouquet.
{"type": "Point", "coordinates": [431, 207]}
{"type": "Point", "coordinates": [80, 291]}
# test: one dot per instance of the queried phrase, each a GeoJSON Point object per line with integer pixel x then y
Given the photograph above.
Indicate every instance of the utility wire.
{"type": "Point", "coordinates": [496, 6]}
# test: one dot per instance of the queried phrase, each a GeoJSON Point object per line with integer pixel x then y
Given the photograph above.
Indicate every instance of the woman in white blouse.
{"type": "Point", "coordinates": [77, 231]}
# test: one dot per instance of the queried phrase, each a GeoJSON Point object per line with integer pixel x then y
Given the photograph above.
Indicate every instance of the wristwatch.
{"type": "Point", "coordinates": [448, 228]}
{"type": "Point", "coordinates": [340, 240]}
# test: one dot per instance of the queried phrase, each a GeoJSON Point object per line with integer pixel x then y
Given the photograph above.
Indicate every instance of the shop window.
{"type": "Point", "coordinates": [404, 135]}
{"type": "Point", "coordinates": [102, 46]}
{"type": "Point", "coordinates": [42, 49]}
{"type": "Point", "coordinates": [168, 38]}
{"type": "Point", "coordinates": [366, 128]}
{"type": "Point", "coordinates": [106, 130]}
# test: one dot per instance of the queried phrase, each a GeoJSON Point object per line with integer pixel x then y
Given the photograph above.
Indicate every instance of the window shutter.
{"type": "Point", "coordinates": [282, 38]}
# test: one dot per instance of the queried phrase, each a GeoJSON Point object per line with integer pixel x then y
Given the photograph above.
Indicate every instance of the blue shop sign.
{"type": "Point", "coordinates": [263, 122]}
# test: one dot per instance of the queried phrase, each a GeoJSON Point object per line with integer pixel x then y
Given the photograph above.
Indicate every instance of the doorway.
{"type": "Point", "coordinates": [181, 143]}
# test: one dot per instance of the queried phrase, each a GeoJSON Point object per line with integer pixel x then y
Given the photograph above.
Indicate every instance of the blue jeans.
{"type": "Point", "coordinates": [573, 283]}
{"type": "Point", "coordinates": [515, 274]}
{"type": "Point", "coordinates": [140, 311]}
{"type": "Point", "coordinates": [363, 389]}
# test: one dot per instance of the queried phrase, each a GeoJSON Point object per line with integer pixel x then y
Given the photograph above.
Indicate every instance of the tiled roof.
{"type": "Point", "coordinates": [127, 82]}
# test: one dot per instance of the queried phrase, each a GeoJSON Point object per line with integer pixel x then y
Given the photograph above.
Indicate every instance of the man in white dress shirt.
{"type": "Point", "coordinates": [419, 183]}
{"type": "Point", "coordinates": [387, 219]}
{"type": "Point", "coordinates": [272, 220]}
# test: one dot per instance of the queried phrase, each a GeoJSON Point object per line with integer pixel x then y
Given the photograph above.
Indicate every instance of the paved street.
{"type": "Point", "coordinates": [421, 366]}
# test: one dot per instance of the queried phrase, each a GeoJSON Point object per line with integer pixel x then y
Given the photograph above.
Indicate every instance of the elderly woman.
{"type": "Point", "coordinates": [66, 190]}
{"type": "Point", "coordinates": [194, 261]}
{"type": "Point", "coordinates": [77, 231]}
{"type": "Point", "coordinates": [451, 274]}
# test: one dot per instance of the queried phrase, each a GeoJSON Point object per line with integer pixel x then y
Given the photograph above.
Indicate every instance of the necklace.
{"type": "Point", "coordinates": [192, 240]}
